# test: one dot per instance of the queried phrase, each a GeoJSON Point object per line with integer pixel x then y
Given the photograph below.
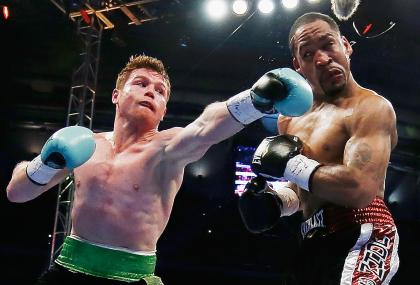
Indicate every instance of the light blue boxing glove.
{"type": "Point", "coordinates": [281, 91]}
{"type": "Point", "coordinates": [69, 147]}
{"type": "Point", "coordinates": [299, 97]}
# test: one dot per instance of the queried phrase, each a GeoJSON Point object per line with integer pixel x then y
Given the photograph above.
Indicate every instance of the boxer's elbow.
{"type": "Point", "coordinates": [363, 199]}
{"type": "Point", "coordinates": [12, 196]}
{"type": "Point", "coordinates": [363, 194]}
{"type": "Point", "coordinates": [357, 191]}
{"type": "Point", "coordinates": [15, 196]}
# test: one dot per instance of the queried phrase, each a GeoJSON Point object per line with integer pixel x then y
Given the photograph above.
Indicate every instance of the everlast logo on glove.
{"type": "Point", "coordinates": [261, 151]}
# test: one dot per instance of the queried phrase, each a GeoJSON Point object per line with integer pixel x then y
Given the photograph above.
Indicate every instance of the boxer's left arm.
{"type": "Point", "coordinates": [366, 157]}
{"type": "Point", "coordinates": [280, 90]}
{"type": "Point", "coordinates": [212, 126]}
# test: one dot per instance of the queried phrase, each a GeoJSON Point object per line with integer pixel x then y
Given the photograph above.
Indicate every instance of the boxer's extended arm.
{"type": "Point", "coordinates": [212, 126]}
{"type": "Point", "coordinates": [280, 90]}
{"type": "Point", "coordinates": [366, 157]}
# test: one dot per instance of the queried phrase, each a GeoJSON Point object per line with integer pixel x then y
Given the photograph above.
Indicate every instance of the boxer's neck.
{"type": "Point", "coordinates": [126, 133]}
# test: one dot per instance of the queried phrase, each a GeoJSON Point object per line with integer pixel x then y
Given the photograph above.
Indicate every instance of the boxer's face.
{"type": "Point", "coordinates": [144, 96]}
{"type": "Point", "coordinates": [322, 56]}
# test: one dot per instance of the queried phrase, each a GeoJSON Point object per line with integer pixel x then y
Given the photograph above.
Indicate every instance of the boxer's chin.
{"type": "Point", "coordinates": [334, 90]}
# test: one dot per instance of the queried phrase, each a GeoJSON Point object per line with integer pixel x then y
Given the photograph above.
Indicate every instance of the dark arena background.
{"type": "Point", "coordinates": [44, 50]}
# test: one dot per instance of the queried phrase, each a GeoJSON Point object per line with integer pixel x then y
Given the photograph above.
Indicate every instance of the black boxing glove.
{"type": "Point", "coordinates": [267, 90]}
{"type": "Point", "coordinates": [279, 156]}
{"type": "Point", "coordinates": [261, 206]}
{"type": "Point", "coordinates": [281, 90]}
{"type": "Point", "coordinates": [260, 210]}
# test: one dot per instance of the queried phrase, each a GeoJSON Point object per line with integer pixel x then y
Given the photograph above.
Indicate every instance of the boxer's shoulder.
{"type": "Point", "coordinates": [102, 135]}
{"type": "Point", "coordinates": [167, 135]}
{"type": "Point", "coordinates": [373, 107]}
{"type": "Point", "coordinates": [371, 100]}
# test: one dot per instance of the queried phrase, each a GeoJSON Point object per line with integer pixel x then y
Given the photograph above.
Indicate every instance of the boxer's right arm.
{"type": "Point", "coordinates": [65, 150]}
{"type": "Point", "coordinates": [21, 189]}
{"type": "Point", "coordinates": [360, 178]}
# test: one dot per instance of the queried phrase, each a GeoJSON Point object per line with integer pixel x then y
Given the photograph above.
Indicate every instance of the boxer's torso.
{"type": "Point", "coordinates": [124, 199]}
{"type": "Point", "coordinates": [325, 131]}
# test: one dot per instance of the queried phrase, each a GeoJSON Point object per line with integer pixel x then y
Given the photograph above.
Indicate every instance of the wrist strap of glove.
{"type": "Point", "coordinates": [289, 200]}
{"type": "Point", "coordinates": [242, 109]}
{"type": "Point", "coordinates": [39, 173]}
{"type": "Point", "coordinates": [300, 169]}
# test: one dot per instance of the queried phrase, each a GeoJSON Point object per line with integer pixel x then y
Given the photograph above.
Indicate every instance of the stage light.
{"type": "Point", "coordinates": [199, 169]}
{"type": "Point", "coordinates": [313, 1]}
{"type": "Point", "coordinates": [6, 12]}
{"type": "Point", "coordinates": [367, 29]}
{"type": "Point", "coordinates": [108, 3]}
{"type": "Point", "coordinates": [266, 6]}
{"type": "Point", "coordinates": [240, 7]}
{"type": "Point", "coordinates": [216, 9]}
{"type": "Point", "coordinates": [289, 4]}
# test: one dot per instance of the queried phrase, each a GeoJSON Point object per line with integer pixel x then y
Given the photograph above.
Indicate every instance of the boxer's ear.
{"type": "Point", "coordinates": [164, 113]}
{"type": "Point", "coordinates": [348, 50]}
{"type": "Point", "coordinates": [115, 94]}
{"type": "Point", "coordinates": [296, 65]}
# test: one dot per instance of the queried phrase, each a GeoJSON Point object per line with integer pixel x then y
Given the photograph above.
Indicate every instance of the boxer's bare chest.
{"type": "Point", "coordinates": [134, 170]}
{"type": "Point", "coordinates": [323, 131]}
{"type": "Point", "coordinates": [122, 197]}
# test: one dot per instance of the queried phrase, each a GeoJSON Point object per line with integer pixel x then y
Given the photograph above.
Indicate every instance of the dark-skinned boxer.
{"type": "Point", "coordinates": [335, 157]}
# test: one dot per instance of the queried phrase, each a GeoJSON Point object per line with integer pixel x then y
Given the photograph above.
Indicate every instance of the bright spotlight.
{"type": "Point", "coordinates": [6, 12]}
{"type": "Point", "coordinates": [266, 6]}
{"type": "Point", "coordinates": [240, 7]}
{"type": "Point", "coordinates": [216, 8]}
{"type": "Point", "coordinates": [289, 4]}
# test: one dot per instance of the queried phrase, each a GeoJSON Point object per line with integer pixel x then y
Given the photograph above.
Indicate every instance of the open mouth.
{"type": "Point", "coordinates": [333, 73]}
{"type": "Point", "coordinates": [147, 105]}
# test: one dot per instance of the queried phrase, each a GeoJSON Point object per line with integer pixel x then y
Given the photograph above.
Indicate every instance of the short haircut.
{"type": "Point", "coordinates": [306, 19]}
{"type": "Point", "coordinates": [142, 61]}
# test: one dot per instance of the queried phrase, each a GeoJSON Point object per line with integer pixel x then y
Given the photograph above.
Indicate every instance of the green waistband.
{"type": "Point", "coordinates": [104, 262]}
